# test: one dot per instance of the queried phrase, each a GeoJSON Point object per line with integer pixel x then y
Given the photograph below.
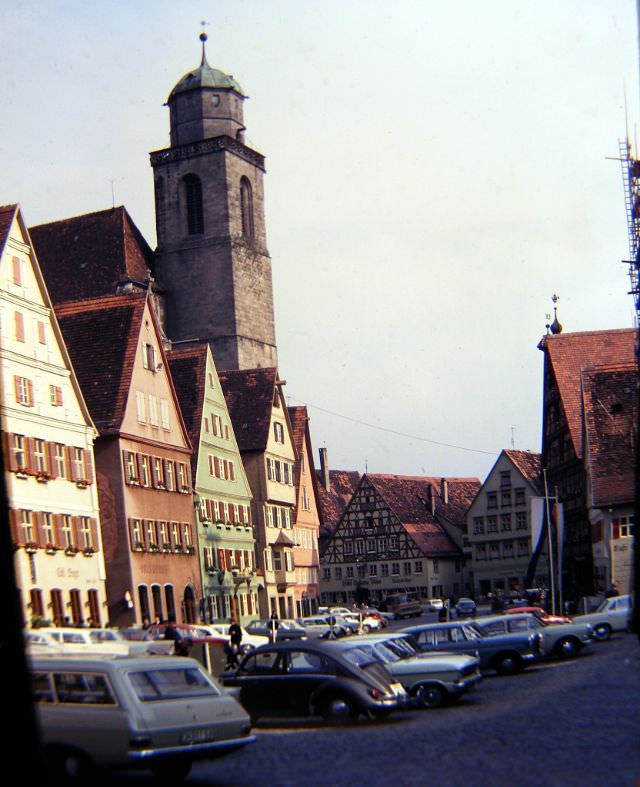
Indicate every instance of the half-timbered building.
{"type": "Point", "coordinates": [390, 539]}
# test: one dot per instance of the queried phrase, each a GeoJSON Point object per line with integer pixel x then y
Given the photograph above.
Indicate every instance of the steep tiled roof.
{"type": "Point", "coordinates": [420, 502]}
{"type": "Point", "coordinates": [298, 417]}
{"type": "Point", "coordinates": [188, 367]}
{"type": "Point", "coordinates": [7, 212]}
{"type": "Point", "coordinates": [88, 256]}
{"type": "Point", "coordinates": [610, 423]}
{"type": "Point", "coordinates": [249, 394]}
{"type": "Point", "coordinates": [102, 336]}
{"type": "Point", "coordinates": [570, 353]}
{"type": "Point", "coordinates": [529, 463]}
{"type": "Point", "coordinates": [342, 485]}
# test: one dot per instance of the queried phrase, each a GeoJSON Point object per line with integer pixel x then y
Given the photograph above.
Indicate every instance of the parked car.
{"type": "Point", "coordinates": [341, 625]}
{"type": "Point", "coordinates": [436, 604]}
{"type": "Point", "coordinates": [249, 641]}
{"type": "Point", "coordinates": [365, 620]}
{"type": "Point", "coordinates": [136, 647]}
{"type": "Point", "coordinates": [199, 635]}
{"type": "Point", "coordinates": [315, 677]}
{"type": "Point", "coordinates": [540, 612]}
{"type": "Point", "coordinates": [403, 605]}
{"type": "Point", "coordinates": [431, 679]}
{"type": "Point", "coordinates": [505, 653]}
{"type": "Point", "coordinates": [156, 712]}
{"type": "Point", "coordinates": [79, 641]}
{"type": "Point", "coordinates": [612, 614]}
{"type": "Point", "coordinates": [287, 629]}
{"type": "Point", "coordinates": [317, 626]}
{"type": "Point", "coordinates": [564, 640]}
{"type": "Point", "coordinates": [465, 608]}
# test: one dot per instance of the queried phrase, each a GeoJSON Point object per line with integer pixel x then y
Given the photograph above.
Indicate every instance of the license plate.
{"type": "Point", "coordinates": [204, 735]}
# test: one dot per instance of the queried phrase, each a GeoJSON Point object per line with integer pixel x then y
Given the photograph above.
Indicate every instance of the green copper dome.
{"type": "Point", "coordinates": [205, 76]}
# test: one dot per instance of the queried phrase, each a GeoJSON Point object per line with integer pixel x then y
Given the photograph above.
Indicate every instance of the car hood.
{"type": "Point", "coordinates": [439, 661]}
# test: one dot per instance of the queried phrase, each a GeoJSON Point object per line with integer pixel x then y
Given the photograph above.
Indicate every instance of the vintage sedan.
{"type": "Point", "coordinates": [154, 712]}
{"type": "Point", "coordinates": [505, 653]}
{"type": "Point", "coordinates": [564, 640]}
{"type": "Point", "coordinates": [431, 679]}
{"type": "Point", "coordinates": [612, 614]}
{"type": "Point", "coordinates": [315, 677]}
{"type": "Point", "coordinates": [284, 627]}
{"type": "Point", "coordinates": [539, 612]}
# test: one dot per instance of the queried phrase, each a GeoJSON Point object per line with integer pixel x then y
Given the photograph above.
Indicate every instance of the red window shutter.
{"type": "Point", "coordinates": [9, 454]}
{"type": "Point", "coordinates": [95, 536]}
{"type": "Point", "coordinates": [132, 538]}
{"type": "Point", "coordinates": [30, 393]}
{"type": "Point", "coordinates": [221, 559]}
{"type": "Point", "coordinates": [616, 528]}
{"type": "Point", "coordinates": [238, 558]}
{"type": "Point", "coordinates": [41, 334]}
{"type": "Point", "coordinates": [16, 530]}
{"type": "Point", "coordinates": [19, 323]}
{"type": "Point", "coordinates": [229, 557]}
{"type": "Point", "coordinates": [28, 454]}
{"type": "Point", "coordinates": [68, 463]}
{"type": "Point", "coordinates": [232, 513]}
{"type": "Point", "coordinates": [51, 460]}
{"type": "Point", "coordinates": [16, 387]}
{"type": "Point", "coordinates": [57, 530]}
{"type": "Point", "coordinates": [232, 472]}
{"type": "Point", "coordinates": [87, 462]}
{"type": "Point", "coordinates": [76, 529]}
{"type": "Point", "coordinates": [38, 529]}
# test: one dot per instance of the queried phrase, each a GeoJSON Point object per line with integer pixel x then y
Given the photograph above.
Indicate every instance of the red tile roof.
{"type": "Point", "coordinates": [89, 256]}
{"type": "Point", "coordinates": [332, 502]}
{"type": "Point", "coordinates": [188, 367]}
{"type": "Point", "coordinates": [421, 503]}
{"type": "Point", "coordinates": [102, 337]}
{"type": "Point", "coordinates": [529, 464]}
{"type": "Point", "coordinates": [570, 353]}
{"type": "Point", "coordinates": [249, 394]}
{"type": "Point", "coordinates": [7, 212]}
{"type": "Point", "coordinates": [610, 417]}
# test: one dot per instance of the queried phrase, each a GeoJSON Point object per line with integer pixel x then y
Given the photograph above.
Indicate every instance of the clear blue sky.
{"type": "Point", "coordinates": [436, 171]}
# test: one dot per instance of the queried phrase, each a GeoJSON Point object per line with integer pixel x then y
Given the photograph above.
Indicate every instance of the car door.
{"type": "Point", "coordinates": [305, 673]}
{"type": "Point", "coordinates": [260, 679]}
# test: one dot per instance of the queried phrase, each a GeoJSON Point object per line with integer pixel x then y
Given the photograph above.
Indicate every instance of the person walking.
{"type": "Point", "coordinates": [273, 626]}
{"type": "Point", "coordinates": [232, 651]}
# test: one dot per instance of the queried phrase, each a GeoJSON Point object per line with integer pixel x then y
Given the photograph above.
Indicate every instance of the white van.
{"type": "Point", "coordinates": [156, 712]}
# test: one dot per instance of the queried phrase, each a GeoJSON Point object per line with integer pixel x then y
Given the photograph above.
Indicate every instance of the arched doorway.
{"type": "Point", "coordinates": [189, 605]}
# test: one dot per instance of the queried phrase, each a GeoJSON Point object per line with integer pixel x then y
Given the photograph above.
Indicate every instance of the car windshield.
{"type": "Point", "coordinates": [603, 606]}
{"type": "Point", "coordinates": [104, 636]}
{"type": "Point", "coordinates": [173, 683]}
{"type": "Point", "coordinates": [359, 657]}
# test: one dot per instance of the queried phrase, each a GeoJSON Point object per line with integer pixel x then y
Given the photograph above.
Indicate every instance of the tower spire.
{"type": "Point", "coordinates": [556, 327]}
{"type": "Point", "coordinates": [203, 38]}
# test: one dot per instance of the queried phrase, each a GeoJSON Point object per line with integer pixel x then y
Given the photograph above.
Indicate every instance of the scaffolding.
{"type": "Point", "coordinates": [631, 183]}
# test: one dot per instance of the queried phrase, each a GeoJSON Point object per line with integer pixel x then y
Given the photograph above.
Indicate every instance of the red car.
{"type": "Point", "coordinates": [539, 612]}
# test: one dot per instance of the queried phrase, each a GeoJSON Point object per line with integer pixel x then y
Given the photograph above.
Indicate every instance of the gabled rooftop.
{"type": "Point", "coordinates": [188, 367]}
{"type": "Point", "coordinates": [571, 353]}
{"type": "Point", "coordinates": [249, 394]}
{"type": "Point", "coordinates": [92, 255]}
{"type": "Point", "coordinates": [7, 212]}
{"type": "Point", "coordinates": [102, 337]}
{"type": "Point", "coordinates": [529, 464]}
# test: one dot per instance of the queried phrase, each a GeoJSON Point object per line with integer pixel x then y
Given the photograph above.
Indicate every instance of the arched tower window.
{"type": "Point", "coordinates": [193, 195]}
{"type": "Point", "coordinates": [246, 208]}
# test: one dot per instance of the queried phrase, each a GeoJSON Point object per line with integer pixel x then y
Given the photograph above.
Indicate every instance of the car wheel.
{"type": "Point", "coordinates": [508, 664]}
{"type": "Point", "coordinates": [602, 632]}
{"type": "Point", "coordinates": [247, 648]}
{"type": "Point", "coordinates": [568, 648]}
{"type": "Point", "coordinates": [172, 771]}
{"type": "Point", "coordinates": [430, 696]}
{"type": "Point", "coordinates": [71, 766]}
{"type": "Point", "coordinates": [340, 709]}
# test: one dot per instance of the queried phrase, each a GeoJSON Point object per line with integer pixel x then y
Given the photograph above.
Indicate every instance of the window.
{"type": "Point", "coordinates": [349, 572]}
{"type": "Point", "coordinates": [395, 569]}
{"type": "Point", "coordinates": [417, 567]}
{"type": "Point", "coordinates": [406, 568]}
{"type": "Point", "coordinates": [193, 198]}
{"type": "Point", "coordinates": [67, 531]}
{"type": "Point", "coordinates": [384, 570]}
{"type": "Point", "coordinates": [520, 498]}
{"type": "Point", "coordinates": [169, 475]}
{"type": "Point", "coordinates": [505, 523]}
{"type": "Point", "coordinates": [130, 468]}
{"type": "Point", "coordinates": [143, 466]}
{"type": "Point", "coordinates": [521, 520]}
{"type": "Point", "coordinates": [348, 548]}
{"type": "Point", "coordinates": [492, 499]}
{"type": "Point", "coordinates": [338, 572]}
{"type": "Point", "coordinates": [492, 524]}
{"type": "Point", "coordinates": [183, 485]}
{"type": "Point", "coordinates": [373, 569]}
{"type": "Point", "coordinates": [157, 469]}
{"type": "Point", "coordinates": [246, 208]}
{"type": "Point", "coordinates": [393, 542]}
{"type": "Point", "coordinates": [24, 391]}
{"type": "Point", "coordinates": [39, 456]}
{"type": "Point", "coordinates": [478, 525]}
{"type": "Point", "coordinates": [83, 687]}
{"type": "Point", "coordinates": [86, 534]}
{"type": "Point", "coordinates": [77, 464]}
{"type": "Point", "coordinates": [436, 566]}
{"type": "Point", "coordinates": [149, 356]}
{"type": "Point", "coordinates": [278, 432]}
{"type": "Point", "coordinates": [55, 395]}
{"type": "Point", "coordinates": [42, 332]}
{"type": "Point", "coordinates": [48, 533]}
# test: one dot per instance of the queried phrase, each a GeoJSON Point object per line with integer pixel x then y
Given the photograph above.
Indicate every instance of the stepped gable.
{"type": "Point", "coordinates": [529, 464]}
{"type": "Point", "coordinates": [188, 367]}
{"type": "Point", "coordinates": [249, 394]}
{"type": "Point", "coordinates": [102, 337]}
{"type": "Point", "coordinates": [92, 255]}
{"type": "Point", "coordinates": [610, 416]}
{"type": "Point", "coordinates": [571, 353]}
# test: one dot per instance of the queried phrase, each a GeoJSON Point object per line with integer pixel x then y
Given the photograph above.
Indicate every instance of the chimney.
{"type": "Point", "coordinates": [432, 499]}
{"type": "Point", "coordinates": [444, 491]}
{"type": "Point", "coordinates": [324, 469]}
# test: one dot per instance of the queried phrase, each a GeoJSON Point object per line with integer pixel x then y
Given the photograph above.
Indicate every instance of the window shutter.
{"type": "Point", "coordinates": [30, 393]}
{"type": "Point", "coordinates": [28, 454]}
{"type": "Point", "coordinates": [38, 529]}
{"type": "Point", "coordinates": [16, 530]}
{"type": "Point", "coordinates": [9, 453]}
{"type": "Point", "coordinates": [76, 529]}
{"type": "Point", "coordinates": [57, 530]}
{"type": "Point", "coordinates": [132, 538]}
{"type": "Point", "coordinates": [17, 277]}
{"type": "Point", "coordinates": [232, 513]}
{"type": "Point", "coordinates": [95, 536]}
{"type": "Point", "coordinates": [16, 387]}
{"type": "Point", "coordinates": [221, 559]}
{"type": "Point", "coordinates": [51, 460]}
{"type": "Point", "coordinates": [19, 322]}
{"type": "Point", "coordinates": [87, 461]}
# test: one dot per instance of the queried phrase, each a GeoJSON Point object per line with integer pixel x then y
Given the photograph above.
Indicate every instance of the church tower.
{"type": "Point", "coordinates": [212, 257]}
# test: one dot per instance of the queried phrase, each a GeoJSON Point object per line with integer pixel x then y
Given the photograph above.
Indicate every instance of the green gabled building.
{"type": "Point", "coordinates": [222, 496]}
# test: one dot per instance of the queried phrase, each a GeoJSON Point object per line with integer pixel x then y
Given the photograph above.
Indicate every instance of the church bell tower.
{"type": "Point", "coordinates": [212, 258]}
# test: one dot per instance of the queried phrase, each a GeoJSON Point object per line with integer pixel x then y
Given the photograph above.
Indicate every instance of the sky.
{"type": "Point", "coordinates": [436, 171]}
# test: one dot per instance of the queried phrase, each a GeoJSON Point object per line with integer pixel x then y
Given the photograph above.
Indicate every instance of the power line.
{"type": "Point", "coordinates": [393, 431]}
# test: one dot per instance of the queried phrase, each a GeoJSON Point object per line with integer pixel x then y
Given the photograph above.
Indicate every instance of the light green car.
{"type": "Point", "coordinates": [430, 679]}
